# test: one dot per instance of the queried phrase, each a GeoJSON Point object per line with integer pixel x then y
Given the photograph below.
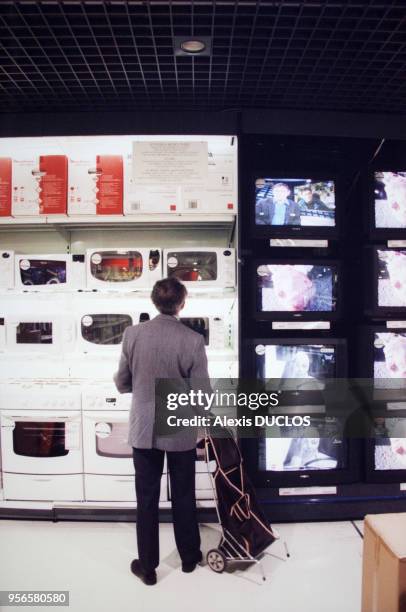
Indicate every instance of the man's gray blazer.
{"type": "Point", "coordinates": [160, 348]}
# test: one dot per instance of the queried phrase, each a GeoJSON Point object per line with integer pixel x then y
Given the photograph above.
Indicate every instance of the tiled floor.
{"type": "Point", "coordinates": [91, 560]}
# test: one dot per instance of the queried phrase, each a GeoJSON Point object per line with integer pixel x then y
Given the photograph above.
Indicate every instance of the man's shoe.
{"type": "Point", "coordinates": [188, 568]}
{"type": "Point", "coordinates": [148, 578]}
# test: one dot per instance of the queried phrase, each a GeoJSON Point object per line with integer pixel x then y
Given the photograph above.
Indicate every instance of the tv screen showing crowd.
{"type": "Point", "coordinates": [296, 202]}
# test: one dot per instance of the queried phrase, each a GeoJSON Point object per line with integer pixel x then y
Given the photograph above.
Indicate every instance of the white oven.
{"type": "Point", "coordinates": [108, 463]}
{"type": "Point", "coordinates": [6, 270]}
{"type": "Point", "coordinates": [201, 268]}
{"type": "Point", "coordinates": [100, 320]}
{"type": "Point", "coordinates": [41, 456]}
{"type": "Point", "coordinates": [49, 273]}
{"type": "Point", "coordinates": [123, 269]}
{"type": "Point", "coordinates": [41, 442]}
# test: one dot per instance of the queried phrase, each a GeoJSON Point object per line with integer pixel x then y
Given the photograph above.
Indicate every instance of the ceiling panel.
{"type": "Point", "coordinates": [93, 55]}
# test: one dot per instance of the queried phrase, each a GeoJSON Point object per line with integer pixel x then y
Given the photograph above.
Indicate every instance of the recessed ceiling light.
{"type": "Point", "coordinates": [193, 46]}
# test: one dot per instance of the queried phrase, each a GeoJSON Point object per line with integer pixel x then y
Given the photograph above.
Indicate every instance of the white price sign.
{"type": "Point", "coordinates": [167, 162]}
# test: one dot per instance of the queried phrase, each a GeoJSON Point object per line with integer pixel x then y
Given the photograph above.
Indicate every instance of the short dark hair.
{"type": "Point", "coordinates": [168, 295]}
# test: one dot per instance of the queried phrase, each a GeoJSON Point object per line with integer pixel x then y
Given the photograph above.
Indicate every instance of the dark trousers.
{"type": "Point", "coordinates": [148, 464]}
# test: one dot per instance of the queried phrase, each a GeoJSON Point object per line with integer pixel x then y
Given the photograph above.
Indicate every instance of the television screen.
{"type": "Point", "coordinates": [390, 199]}
{"type": "Point", "coordinates": [297, 202]}
{"type": "Point", "coordinates": [296, 288]}
{"type": "Point", "coordinates": [390, 443]}
{"type": "Point", "coordinates": [390, 357]}
{"type": "Point", "coordinates": [391, 278]}
{"type": "Point", "coordinates": [324, 451]}
{"type": "Point", "coordinates": [310, 363]}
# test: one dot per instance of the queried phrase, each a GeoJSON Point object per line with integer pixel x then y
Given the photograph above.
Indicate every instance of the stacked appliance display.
{"type": "Point", "coordinates": [64, 427]}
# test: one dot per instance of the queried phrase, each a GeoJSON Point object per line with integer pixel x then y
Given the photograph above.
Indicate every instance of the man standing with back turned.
{"type": "Point", "coordinates": [162, 348]}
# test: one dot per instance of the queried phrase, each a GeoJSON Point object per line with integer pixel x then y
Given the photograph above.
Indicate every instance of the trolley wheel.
{"type": "Point", "coordinates": [216, 560]}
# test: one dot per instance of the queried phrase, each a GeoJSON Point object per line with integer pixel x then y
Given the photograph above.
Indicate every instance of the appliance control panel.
{"type": "Point", "coordinates": [98, 397]}
{"type": "Point", "coordinates": [33, 396]}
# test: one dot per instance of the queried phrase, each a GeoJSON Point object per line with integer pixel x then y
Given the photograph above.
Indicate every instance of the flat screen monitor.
{"type": "Point", "coordinates": [293, 206]}
{"type": "Point", "coordinates": [292, 289]}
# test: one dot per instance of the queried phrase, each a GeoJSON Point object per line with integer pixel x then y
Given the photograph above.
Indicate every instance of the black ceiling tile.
{"type": "Point", "coordinates": [83, 55]}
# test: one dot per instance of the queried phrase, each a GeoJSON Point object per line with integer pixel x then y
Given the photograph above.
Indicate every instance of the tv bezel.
{"type": "Point", "coordinates": [287, 315]}
{"type": "Point", "coordinates": [381, 233]}
{"type": "Point", "coordinates": [295, 231]}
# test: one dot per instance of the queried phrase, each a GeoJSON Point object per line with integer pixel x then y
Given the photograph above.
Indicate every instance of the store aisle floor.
{"type": "Point", "coordinates": [91, 560]}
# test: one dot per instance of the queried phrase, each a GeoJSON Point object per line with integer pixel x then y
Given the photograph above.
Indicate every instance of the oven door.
{"type": "Point", "coordinates": [38, 334]}
{"type": "Point", "coordinates": [99, 332]}
{"type": "Point", "coordinates": [106, 450]}
{"type": "Point", "coordinates": [39, 442]}
{"type": "Point", "coordinates": [123, 269]}
{"type": "Point", "coordinates": [196, 269]}
{"type": "Point", "coordinates": [42, 272]}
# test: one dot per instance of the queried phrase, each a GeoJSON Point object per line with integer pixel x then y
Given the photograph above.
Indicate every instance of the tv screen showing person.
{"type": "Point", "coordinates": [308, 364]}
{"type": "Point", "coordinates": [391, 278]}
{"type": "Point", "coordinates": [318, 448]}
{"type": "Point", "coordinates": [296, 288]}
{"type": "Point", "coordinates": [390, 199]}
{"type": "Point", "coordinates": [295, 202]}
{"type": "Point", "coordinates": [390, 443]}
